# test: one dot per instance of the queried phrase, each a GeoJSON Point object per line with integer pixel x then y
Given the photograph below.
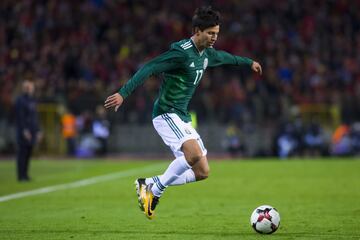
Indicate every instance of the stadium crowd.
{"type": "Point", "coordinates": [78, 52]}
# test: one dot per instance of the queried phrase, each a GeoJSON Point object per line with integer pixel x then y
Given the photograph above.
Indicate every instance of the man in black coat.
{"type": "Point", "coordinates": [27, 128]}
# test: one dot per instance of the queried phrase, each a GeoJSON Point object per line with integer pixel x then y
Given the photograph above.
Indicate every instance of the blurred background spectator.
{"type": "Point", "coordinates": [233, 141]}
{"type": "Point", "coordinates": [314, 140]}
{"type": "Point", "coordinates": [77, 52]}
{"type": "Point", "coordinates": [101, 130]}
{"type": "Point", "coordinates": [68, 121]}
{"type": "Point", "coordinates": [27, 129]}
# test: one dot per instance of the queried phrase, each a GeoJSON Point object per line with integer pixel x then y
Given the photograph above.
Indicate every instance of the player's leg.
{"type": "Point", "coordinates": [201, 169]}
{"type": "Point", "coordinates": [194, 154]}
{"type": "Point", "coordinates": [198, 172]}
{"type": "Point", "coordinates": [187, 177]}
{"type": "Point", "coordinates": [188, 149]}
{"type": "Point", "coordinates": [154, 191]}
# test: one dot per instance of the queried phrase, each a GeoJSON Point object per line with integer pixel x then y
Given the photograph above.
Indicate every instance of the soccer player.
{"type": "Point", "coordinates": [182, 67]}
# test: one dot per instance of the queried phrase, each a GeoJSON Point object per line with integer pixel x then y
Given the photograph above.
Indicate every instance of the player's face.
{"type": "Point", "coordinates": [209, 36]}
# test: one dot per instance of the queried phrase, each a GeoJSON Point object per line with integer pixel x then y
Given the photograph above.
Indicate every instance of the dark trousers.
{"type": "Point", "coordinates": [23, 156]}
{"type": "Point", "coordinates": [103, 146]}
{"type": "Point", "coordinates": [71, 146]}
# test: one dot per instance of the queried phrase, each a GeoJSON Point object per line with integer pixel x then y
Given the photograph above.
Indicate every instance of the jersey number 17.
{"type": "Point", "coordinates": [199, 74]}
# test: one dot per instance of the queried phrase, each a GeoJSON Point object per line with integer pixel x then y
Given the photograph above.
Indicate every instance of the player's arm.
{"type": "Point", "coordinates": [163, 63]}
{"type": "Point", "coordinates": [218, 58]}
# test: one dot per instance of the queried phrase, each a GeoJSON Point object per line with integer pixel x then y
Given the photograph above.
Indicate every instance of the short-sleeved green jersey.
{"type": "Point", "coordinates": [183, 67]}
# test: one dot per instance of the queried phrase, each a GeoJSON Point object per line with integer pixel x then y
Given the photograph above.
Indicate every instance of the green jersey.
{"type": "Point", "coordinates": [183, 67]}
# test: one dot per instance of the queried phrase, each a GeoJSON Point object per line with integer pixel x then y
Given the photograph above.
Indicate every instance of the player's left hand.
{"type": "Point", "coordinates": [256, 67]}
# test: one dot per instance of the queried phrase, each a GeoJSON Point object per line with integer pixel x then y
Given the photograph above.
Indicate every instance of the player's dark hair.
{"type": "Point", "coordinates": [205, 17]}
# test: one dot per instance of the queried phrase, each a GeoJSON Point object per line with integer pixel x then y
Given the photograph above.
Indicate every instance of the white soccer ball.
{"type": "Point", "coordinates": [265, 219]}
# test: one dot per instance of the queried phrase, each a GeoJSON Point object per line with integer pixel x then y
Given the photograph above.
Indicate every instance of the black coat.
{"type": "Point", "coordinates": [26, 118]}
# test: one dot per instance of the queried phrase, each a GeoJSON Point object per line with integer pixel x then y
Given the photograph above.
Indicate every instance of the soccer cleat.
{"type": "Point", "coordinates": [140, 187]}
{"type": "Point", "coordinates": [150, 202]}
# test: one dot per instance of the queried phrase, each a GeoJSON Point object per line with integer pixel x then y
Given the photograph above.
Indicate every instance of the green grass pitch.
{"type": "Point", "coordinates": [317, 199]}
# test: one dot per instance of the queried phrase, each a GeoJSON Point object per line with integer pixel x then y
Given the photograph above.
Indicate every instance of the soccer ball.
{"type": "Point", "coordinates": [265, 219]}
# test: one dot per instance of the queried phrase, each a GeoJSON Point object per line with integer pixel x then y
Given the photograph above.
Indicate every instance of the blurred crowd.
{"type": "Point", "coordinates": [299, 139]}
{"type": "Point", "coordinates": [86, 134]}
{"type": "Point", "coordinates": [295, 139]}
{"type": "Point", "coordinates": [78, 52]}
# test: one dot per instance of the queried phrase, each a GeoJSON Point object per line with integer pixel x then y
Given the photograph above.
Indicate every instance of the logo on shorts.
{"type": "Point", "coordinates": [187, 131]}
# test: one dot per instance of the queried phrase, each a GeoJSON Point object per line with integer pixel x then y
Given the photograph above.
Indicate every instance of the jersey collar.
{"type": "Point", "coordinates": [193, 43]}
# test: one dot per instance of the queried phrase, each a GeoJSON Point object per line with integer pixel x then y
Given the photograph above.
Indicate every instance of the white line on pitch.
{"type": "Point", "coordinates": [80, 183]}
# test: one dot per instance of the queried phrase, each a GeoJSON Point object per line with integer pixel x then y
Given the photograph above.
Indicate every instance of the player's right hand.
{"type": "Point", "coordinates": [114, 100]}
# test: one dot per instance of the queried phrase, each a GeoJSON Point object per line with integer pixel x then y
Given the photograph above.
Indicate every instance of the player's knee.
{"type": "Point", "coordinates": [194, 158]}
{"type": "Point", "coordinates": [192, 152]}
{"type": "Point", "coordinates": [202, 174]}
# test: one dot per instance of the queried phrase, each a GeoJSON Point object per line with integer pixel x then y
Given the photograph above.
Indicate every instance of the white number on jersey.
{"type": "Point", "coordinates": [199, 74]}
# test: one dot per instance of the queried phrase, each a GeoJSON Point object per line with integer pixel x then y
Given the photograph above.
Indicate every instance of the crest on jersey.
{"type": "Point", "coordinates": [187, 131]}
{"type": "Point", "coordinates": [206, 61]}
